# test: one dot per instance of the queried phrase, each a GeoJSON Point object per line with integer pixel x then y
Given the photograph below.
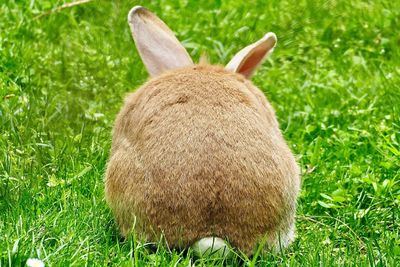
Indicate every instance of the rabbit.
{"type": "Point", "coordinates": [197, 151]}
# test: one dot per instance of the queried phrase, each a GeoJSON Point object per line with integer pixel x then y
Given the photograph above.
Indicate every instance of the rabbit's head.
{"type": "Point", "coordinates": [161, 51]}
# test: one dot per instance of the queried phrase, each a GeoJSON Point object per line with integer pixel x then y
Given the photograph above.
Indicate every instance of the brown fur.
{"type": "Point", "coordinates": [198, 152]}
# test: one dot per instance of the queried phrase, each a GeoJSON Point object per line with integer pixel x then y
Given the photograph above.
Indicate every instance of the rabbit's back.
{"type": "Point", "coordinates": [198, 152]}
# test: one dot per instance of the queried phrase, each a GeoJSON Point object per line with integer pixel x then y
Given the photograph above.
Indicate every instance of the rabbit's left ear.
{"type": "Point", "coordinates": [247, 60]}
{"type": "Point", "coordinates": [156, 43]}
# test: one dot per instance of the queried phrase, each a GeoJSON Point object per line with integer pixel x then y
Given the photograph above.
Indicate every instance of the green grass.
{"type": "Point", "coordinates": [334, 80]}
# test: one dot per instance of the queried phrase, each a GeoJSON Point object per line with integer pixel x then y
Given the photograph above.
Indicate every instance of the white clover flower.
{"type": "Point", "coordinates": [34, 263]}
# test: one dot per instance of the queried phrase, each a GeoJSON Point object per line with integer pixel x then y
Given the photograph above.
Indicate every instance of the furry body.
{"type": "Point", "coordinates": [198, 152]}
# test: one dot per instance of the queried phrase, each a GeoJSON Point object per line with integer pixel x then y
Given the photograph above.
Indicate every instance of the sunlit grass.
{"type": "Point", "coordinates": [333, 80]}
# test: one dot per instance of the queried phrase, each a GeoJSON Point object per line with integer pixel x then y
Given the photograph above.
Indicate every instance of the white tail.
{"type": "Point", "coordinates": [211, 247]}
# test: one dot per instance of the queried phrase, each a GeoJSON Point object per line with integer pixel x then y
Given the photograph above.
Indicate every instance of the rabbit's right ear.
{"type": "Point", "coordinates": [249, 58]}
{"type": "Point", "coordinates": [156, 43]}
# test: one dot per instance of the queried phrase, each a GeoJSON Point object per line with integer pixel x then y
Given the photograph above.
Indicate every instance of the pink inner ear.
{"type": "Point", "coordinates": [252, 61]}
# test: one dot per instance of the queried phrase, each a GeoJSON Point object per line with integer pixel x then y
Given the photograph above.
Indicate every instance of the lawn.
{"type": "Point", "coordinates": [333, 79]}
